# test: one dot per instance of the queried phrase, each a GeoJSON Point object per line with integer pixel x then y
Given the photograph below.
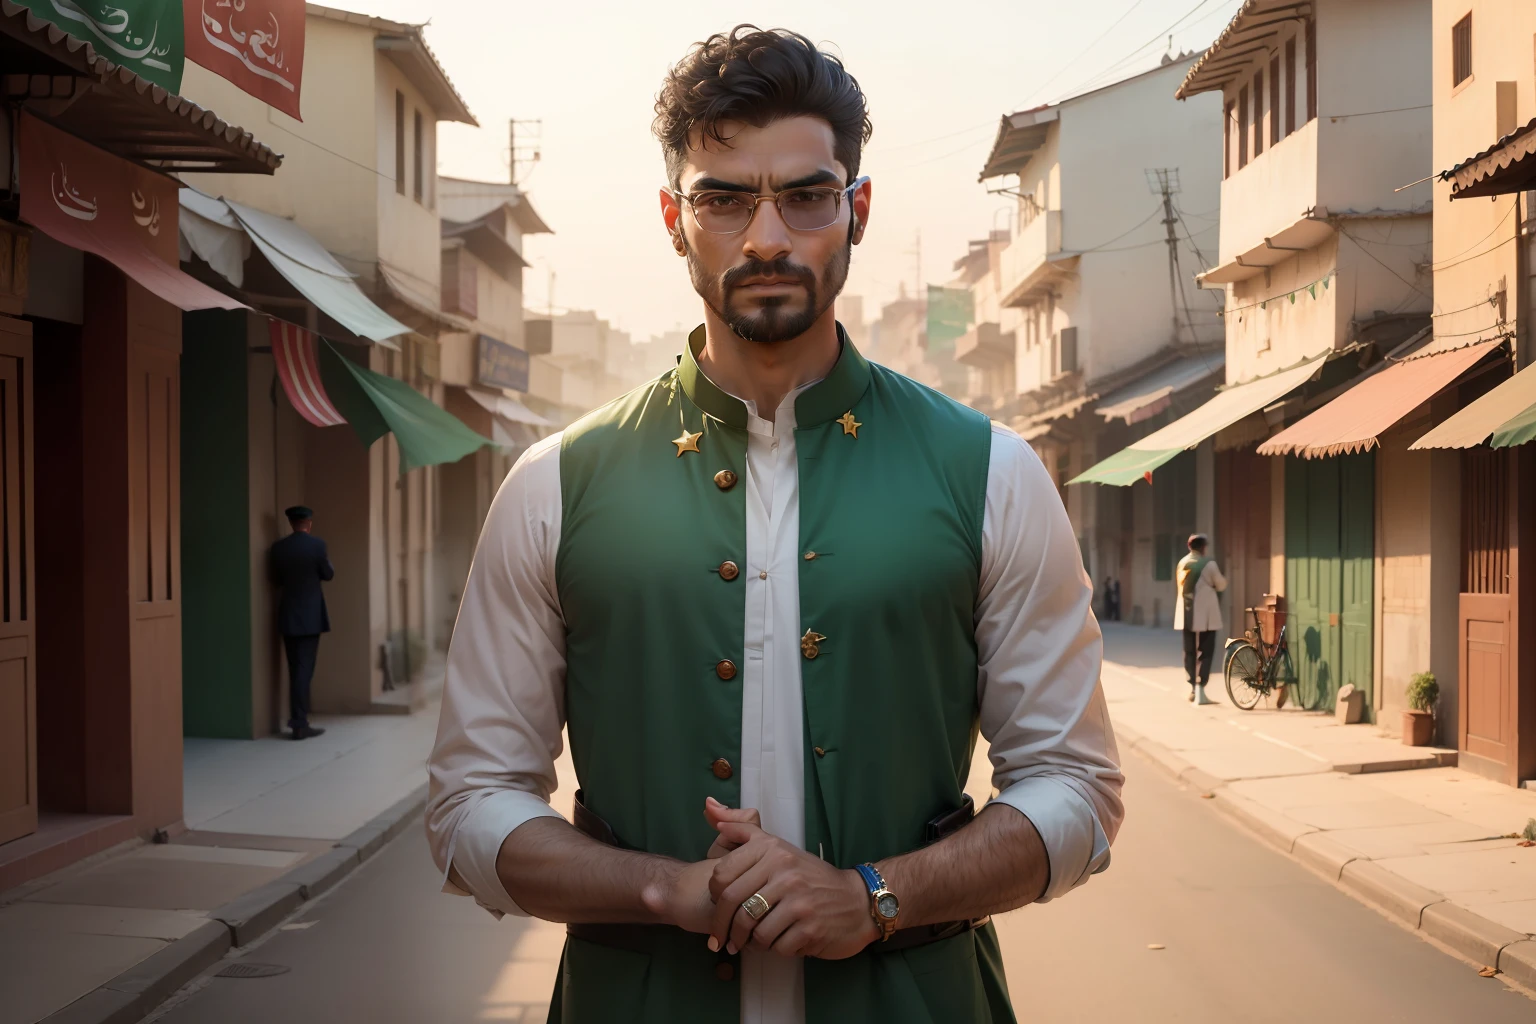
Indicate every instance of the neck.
{"type": "Point", "coordinates": [763, 373]}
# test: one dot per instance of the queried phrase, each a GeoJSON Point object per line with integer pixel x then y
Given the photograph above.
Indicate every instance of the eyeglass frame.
{"type": "Point", "coordinates": [838, 196]}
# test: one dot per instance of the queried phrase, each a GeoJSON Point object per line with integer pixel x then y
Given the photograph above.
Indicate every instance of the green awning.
{"type": "Point", "coordinates": [376, 404]}
{"type": "Point", "coordinates": [1504, 417]}
{"type": "Point", "coordinates": [1125, 467]}
{"type": "Point", "coordinates": [1517, 431]}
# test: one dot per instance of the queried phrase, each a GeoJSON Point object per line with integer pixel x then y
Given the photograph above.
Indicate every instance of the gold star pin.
{"type": "Point", "coordinates": [688, 442]}
{"type": "Point", "coordinates": [850, 425]}
{"type": "Point", "coordinates": [810, 644]}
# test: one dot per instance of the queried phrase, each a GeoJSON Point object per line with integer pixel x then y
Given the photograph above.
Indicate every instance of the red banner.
{"type": "Point", "coordinates": [89, 199]}
{"type": "Point", "coordinates": [256, 44]}
{"type": "Point", "coordinates": [298, 367]}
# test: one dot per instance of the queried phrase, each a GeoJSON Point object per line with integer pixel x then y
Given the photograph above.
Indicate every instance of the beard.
{"type": "Point", "coordinates": [774, 319]}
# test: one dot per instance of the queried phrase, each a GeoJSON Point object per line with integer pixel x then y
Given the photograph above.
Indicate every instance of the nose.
{"type": "Point", "coordinates": [767, 238]}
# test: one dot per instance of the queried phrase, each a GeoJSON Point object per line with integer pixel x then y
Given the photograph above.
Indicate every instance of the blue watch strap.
{"type": "Point", "coordinates": [871, 877]}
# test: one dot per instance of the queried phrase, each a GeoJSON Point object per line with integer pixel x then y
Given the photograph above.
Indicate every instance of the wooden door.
{"type": "Point", "coordinates": [1357, 573]}
{"type": "Point", "coordinates": [18, 673]}
{"type": "Point", "coordinates": [1484, 620]}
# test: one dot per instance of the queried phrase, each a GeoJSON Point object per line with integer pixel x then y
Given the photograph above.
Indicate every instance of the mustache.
{"type": "Point", "coordinates": [781, 267]}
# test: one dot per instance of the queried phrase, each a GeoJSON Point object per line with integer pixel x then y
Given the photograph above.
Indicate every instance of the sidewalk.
{"type": "Point", "coordinates": [1396, 826]}
{"type": "Point", "coordinates": [270, 823]}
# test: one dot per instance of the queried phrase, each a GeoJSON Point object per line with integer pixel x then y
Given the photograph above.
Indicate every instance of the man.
{"type": "Point", "coordinates": [772, 596]}
{"type": "Point", "coordinates": [1198, 614]}
{"type": "Point", "coordinates": [299, 565]}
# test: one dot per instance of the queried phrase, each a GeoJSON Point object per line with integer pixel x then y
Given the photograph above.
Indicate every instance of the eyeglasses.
{"type": "Point", "coordinates": [803, 209]}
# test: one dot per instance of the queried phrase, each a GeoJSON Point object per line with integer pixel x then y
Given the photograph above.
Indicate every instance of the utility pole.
{"type": "Point", "coordinates": [1164, 181]}
{"type": "Point", "coordinates": [532, 147]}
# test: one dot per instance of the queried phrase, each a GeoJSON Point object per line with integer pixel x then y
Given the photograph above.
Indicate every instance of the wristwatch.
{"type": "Point", "coordinates": [883, 905]}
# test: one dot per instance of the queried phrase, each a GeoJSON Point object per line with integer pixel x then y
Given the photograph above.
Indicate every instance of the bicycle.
{"type": "Point", "coordinates": [1257, 668]}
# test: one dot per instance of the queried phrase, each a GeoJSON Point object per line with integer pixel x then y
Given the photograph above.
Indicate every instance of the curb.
{"type": "Point", "coordinates": [132, 995]}
{"type": "Point", "coordinates": [1470, 935]}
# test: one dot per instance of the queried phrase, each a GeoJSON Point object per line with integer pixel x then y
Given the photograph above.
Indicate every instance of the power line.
{"type": "Point", "coordinates": [1129, 57]}
{"type": "Point", "coordinates": [1097, 40]}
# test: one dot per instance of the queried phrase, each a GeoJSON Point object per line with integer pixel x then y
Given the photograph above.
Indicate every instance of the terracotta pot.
{"type": "Point", "coordinates": [1418, 728]}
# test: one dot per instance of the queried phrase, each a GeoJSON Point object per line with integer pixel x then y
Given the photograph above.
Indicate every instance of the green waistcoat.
{"type": "Point", "coordinates": [892, 509]}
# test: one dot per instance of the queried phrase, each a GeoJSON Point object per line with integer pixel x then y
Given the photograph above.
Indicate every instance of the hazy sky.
{"type": "Point", "coordinates": [938, 77]}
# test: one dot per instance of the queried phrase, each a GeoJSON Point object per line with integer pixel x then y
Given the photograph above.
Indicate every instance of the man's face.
{"type": "Point", "coordinates": [767, 282]}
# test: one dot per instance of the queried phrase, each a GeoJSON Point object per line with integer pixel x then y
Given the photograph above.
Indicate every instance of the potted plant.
{"type": "Point", "coordinates": [1419, 720]}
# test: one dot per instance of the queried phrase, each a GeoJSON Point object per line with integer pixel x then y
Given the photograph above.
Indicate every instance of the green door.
{"type": "Point", "coordinates": [1329, 552]}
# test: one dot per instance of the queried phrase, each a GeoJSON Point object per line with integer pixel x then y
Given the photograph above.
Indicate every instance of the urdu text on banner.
{"type": "Point", "coordinates": [256, 44]}
{"type": "Point", "coordinates": [144, 36]}
{"type": "Point", "coordinates": [100, 203]}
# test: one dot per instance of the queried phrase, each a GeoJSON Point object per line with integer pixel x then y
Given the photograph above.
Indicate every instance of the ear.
{"type": "Point", "coordinates": [672, 217]}
{"type": "Point", "coordinates": [861, 201]}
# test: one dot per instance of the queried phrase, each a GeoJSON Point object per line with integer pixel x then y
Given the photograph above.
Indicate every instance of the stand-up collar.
{"type": "Point", "coordinates": [822, 402]}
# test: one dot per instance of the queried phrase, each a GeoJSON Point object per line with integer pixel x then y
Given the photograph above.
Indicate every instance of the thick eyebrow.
{"type": "Point", "coordinates": [824, 176]}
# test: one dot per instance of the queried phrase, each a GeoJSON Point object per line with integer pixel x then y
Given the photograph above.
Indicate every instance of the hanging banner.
{"type": "Point", "coordinates": [143, 36]}
{"type": "Point", "coordinates": [256, 44]}
{"type": "Point", "coordinates": [92, 200]}
{"type": "Point", "coordinates": [298, 367]}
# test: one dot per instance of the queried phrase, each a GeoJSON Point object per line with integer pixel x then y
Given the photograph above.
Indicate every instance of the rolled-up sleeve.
{"type": "Point", "coordinates": [493, 765]}
{"type": "Point", "coordinates": [1042, 708]}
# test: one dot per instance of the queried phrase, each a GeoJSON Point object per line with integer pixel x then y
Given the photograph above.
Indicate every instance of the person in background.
{"type": "Point", "coordinates": [1197, 614]}
{"type": "Point", "coordinates": [299, 565]}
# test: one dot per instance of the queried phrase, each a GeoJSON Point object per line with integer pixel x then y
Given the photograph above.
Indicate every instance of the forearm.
{"type": "Point", "coordinates": [556, 873]}
{"type": "Point", "coordinates": [996, 863]}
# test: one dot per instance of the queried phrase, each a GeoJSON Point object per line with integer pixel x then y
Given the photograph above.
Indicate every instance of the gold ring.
{"type": "Point", "coordinates": [756, 906]}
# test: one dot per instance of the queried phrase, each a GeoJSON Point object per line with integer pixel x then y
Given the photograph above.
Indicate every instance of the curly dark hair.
{"type": "Point", "coordinates": [758, 76]}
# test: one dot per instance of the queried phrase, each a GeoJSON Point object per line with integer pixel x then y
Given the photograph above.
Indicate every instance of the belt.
{"type": "Point", "coordinates": [647, 938]}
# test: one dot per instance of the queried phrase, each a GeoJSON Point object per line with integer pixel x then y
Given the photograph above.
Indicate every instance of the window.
{"type": "Point", "coordinates": [1290, 86]}
{"type": "Point", "coordinates": [1274, 99]}
{"type": "Point", "coordinates": [1506, 116]}
{"type": "Point", "coordinates": [1258, 113]}
{"type": "Point", "coordinates": [1242, 128]}
{"type": "Point", "coordinates": [1311, 69]}
{"type": "Point", "coordinates": [416, 161]}
{"type": "Point", "coordinates": [1461, 51]}
{"type": "Point", "coordinates": [1226, 142]}
{"type": "Point", "coordinates": [400, 143]}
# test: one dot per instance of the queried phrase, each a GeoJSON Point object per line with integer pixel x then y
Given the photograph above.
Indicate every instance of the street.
{"type": "Point", "coordinates": [1248, 935]}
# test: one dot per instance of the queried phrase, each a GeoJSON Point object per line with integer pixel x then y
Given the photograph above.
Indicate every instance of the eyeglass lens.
{"type": "Point", "coordinates": [806, 209]}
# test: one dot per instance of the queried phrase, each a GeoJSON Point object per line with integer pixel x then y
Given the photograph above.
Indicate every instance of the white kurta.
{"type": "Point", "coordinates": [1207, 615]}
{"type": "Point", "coordinates": [1042, 710]}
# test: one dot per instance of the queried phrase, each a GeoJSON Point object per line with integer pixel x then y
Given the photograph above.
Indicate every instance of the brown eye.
{"type": "Point", "coordinates": [806, 195]}
{"type": "Point", "coordinates": [723, 201]}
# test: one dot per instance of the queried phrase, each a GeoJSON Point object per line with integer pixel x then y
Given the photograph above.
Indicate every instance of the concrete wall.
{"type": "Point", "coordinates": [1418, 566]}
{"type": "Point", "coordinates": [330, 178]}
{"type": "Point", "coordinates": [1475, 268]}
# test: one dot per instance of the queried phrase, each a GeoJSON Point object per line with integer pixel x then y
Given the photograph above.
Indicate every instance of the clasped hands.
{"type": "Point", "coordinates": [816, 909]}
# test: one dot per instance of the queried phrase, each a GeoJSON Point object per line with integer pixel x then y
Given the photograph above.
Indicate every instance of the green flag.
{"type": "Point", "coordinates": [144, 36]}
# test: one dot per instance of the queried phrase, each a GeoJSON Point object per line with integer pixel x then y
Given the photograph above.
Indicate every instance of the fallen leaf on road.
{"type": "Point", "coordinates": [1156, 945]}
{"type": "Point", "coordinates": [1487, 972]}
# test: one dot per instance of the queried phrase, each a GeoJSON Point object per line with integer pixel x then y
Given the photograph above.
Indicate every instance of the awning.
{"type": "Point", "coordinates": [1509, 165]}
{"type": "Point", "coordinates": [375, 405]}
{"type": "Point", "coordinates": [1019, 137]}
{"type": "Point", "coordinates": [1143, 456]}
{"type": "Point", "coordinates": [507, 408]}
{"type": "Point", "coordinates": [1307, 232]}
{"type": "Point", "coordinates": [1507, 414]}
{"type": "Point", "coordinates": [1153, 393]}
{"type": "Point", "coordinates": [91, 200]}
{"type": "Point", "coordinates": [314, 272]}
{"type": "Point", "coordinates": [402, 293]}
{"type": "Point", "coordinates": [1355, 420]}
{"type": "Point", "coordinates": [209, 229]}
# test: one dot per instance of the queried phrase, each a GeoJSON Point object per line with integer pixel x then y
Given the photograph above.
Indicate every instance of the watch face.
{"type": "Point", "coordinates": [887, 907]}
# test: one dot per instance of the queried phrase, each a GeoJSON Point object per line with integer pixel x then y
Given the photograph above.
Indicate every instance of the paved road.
{"type": "Point", "coordinates": [1249, 936]}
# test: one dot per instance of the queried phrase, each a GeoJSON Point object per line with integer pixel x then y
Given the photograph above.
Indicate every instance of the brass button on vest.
{"type": "Point", "coordinates": [810, 644]}
{"type": "Point", "coordinates": [721, 768]}
{"type": "Point", "coordinates": [724, 970]}
{"type": "Point", "coordinates": [725, 479]}
{"type": "Point", "coordinates": [819, 752]}
{"type": "Point", "coordinates": [729, 571]}
{"type": "Point", "coordinates": [810, 556]}
{"type": "Point", "coordinates": [725, 669]}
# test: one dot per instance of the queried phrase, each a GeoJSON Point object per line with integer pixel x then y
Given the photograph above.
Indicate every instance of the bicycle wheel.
{"type": "Point", "coordinates": [1245, 676]}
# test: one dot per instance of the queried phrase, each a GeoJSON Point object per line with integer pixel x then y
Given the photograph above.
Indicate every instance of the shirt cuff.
{"type": "Point", "coordinates": [1075, 843]}
{"type": "Point", "coordinates": [477, 842]}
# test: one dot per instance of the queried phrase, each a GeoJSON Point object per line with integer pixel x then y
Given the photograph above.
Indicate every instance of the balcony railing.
{"type": "Point", "coordinates": [985, 346]}
{"type": "Point", "coordinates": [1027, 262]}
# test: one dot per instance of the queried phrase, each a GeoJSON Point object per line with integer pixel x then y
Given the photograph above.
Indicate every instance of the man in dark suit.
{"type": "Point", "coordinates": [299, 565]}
